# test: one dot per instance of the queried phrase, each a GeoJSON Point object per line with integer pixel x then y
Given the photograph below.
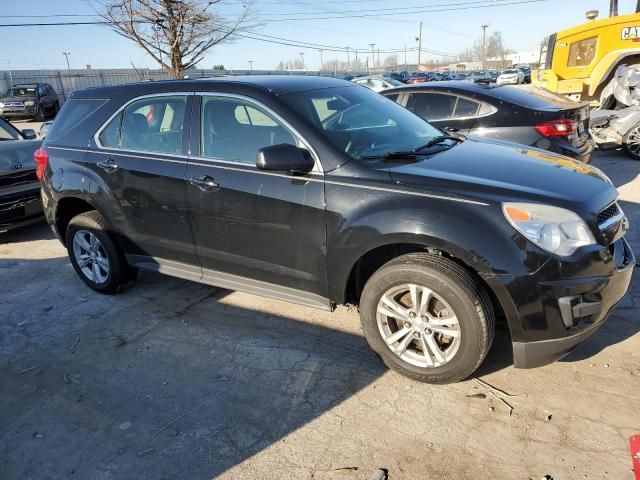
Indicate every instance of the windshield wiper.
{"type": "Point", "coordinates": [414, 152]}
{"type": "Point", "coordinates": [437, 141]}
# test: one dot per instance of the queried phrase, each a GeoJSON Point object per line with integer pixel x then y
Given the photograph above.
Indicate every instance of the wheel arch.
{"type": "Point", "coordinates": [66, 209]}
{"type": "Point", "coordinates": [606, 68]}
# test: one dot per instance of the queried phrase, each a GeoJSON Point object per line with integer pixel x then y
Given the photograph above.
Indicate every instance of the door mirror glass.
{"type": "Point", "coordinates": [29, 134]}
{"type": "Point", "coordinates": [284, 157]}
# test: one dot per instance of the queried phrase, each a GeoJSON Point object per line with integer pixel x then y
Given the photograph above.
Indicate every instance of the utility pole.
{"type": "Point", "coordinates": [321, 62]}
{"type": "Point", "coordinates": [66, 54]}
{"type": "Point", "coordinates": [613, 8]}
{"type": "Point", "coordinates": [379, 64]}
{"type": "Point", "coordinates": [348, 61]}
{"type": "Point", "coordinates": [419, 39]}
{"type": "Point", "coordinates": [356, 66]}
{"type": "Point", "coordinates": [373, 61]}
{"type": "Point", "coordinates": [302, 58]}
{"type": "Point", "coordinates": [251, 65]}
{"type": "Point", "coordinates": [638, 7]}
{"type": "Point", "coordinates": [10, 74]}
{"type": "Point", "coordinates": [484, 27]}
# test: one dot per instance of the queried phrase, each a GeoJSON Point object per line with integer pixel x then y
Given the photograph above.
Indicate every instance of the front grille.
{"type": "Point", "coordinates": [18, 178]}
{"type": "Point", "coordinates": [612, 211]}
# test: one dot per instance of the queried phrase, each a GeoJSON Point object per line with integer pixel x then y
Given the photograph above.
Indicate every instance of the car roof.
{"type": "Point", "coordinates": [528, 97]}
{"type": "Point", "coordinates": [276, 84]}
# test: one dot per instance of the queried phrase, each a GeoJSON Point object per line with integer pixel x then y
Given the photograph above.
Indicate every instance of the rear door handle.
{"type": "Point", "coordinates": [108, 165]}
{"type": "Point", "coordinates": [205, 183]}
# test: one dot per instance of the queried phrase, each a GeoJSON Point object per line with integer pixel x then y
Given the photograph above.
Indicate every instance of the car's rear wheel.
{"type": "Point", "coordinates": [427, 318]}
{"type": "Point", "coordinates": [95, 256]}
{"type": "Point", "coordinates": [631, 142]}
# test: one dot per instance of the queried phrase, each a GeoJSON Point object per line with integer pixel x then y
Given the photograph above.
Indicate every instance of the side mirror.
{"type": "Point", "coordinates": [284, 157]}
{"type": "Point", "coordinates": [29, 134]}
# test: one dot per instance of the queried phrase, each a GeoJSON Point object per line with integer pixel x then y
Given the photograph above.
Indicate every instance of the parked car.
{"type": "Point", "coordinates": [532, 117]}
{"type": "Point", "coordinates": [479, 76]}
{"type": "Point", "coordinates": [19, 187]}
{"type": "Point", "coordinates": [319, 192]}
{"type": "Point", "coordinates": [512, 76]}
{"type": "Point", "coordinates": [32, 100]}
{"type": "Point", "coordinates": [399, 76]}
{"type": "Point", "coordinates": [377, 83]}
{"type": "Point", "coordinates": [527, 74]}
{"type": "Point", "coordinates": [421, 77]}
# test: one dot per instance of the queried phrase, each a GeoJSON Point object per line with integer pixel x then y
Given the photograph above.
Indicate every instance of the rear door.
{"type": "Point", "coordinates": [141, 157]}
{"type": "Point", "coordinates": [444, 110]}
{"type": "Point", "coordinates": [254, 230]}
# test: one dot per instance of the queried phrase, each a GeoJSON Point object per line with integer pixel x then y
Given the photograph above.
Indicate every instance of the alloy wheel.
{"type": "Point", "coordinates": [418, 325]}
{"type": "Point", "coordinates": [90, 256]}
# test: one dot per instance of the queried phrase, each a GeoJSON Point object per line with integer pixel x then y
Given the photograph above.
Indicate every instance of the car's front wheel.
{"type": "Point", "coordinates": [95, 256]}
{"type": "Point", "coordinates": [427, 318]}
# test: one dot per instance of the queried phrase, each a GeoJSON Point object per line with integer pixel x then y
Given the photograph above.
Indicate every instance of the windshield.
{"type": "Point", "coordinates": [360, 122]}
{"type": "Point", "coordinates": [7, 132]}
{"type": "Point", "coordinates": [394, 82]}
{"type": "Point", "coordinates": [21, 92]}
{"type": "Point", "coordinates": [510, 71]}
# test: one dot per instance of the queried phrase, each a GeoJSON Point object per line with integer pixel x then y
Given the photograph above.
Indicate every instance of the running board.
{"type": "Point", "coordinates": [229, 281]}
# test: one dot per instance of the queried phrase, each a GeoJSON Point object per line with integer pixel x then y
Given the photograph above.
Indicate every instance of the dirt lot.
{"type": "Point", "coordinates": [175, 380]}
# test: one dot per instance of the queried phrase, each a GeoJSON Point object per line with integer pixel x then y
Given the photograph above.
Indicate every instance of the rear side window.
{"type": "Point", "coordinates": [393, 96]}
{"type": "Point", "coordinates": [432, 106]}
{"type": "Point", "coordinates": [152, 124]}
{"type": "Point", "coordinates": [466, 108]}
{"type": "Point", "coordinates": [582, 53]}
{"type": "Point", "coordinates": [72, 114]}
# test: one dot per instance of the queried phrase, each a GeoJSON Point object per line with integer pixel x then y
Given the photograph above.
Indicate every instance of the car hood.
{"type": "Point", "coordinates": [502, 171]}
{"type": "Point", "coordinates": [16, 99]}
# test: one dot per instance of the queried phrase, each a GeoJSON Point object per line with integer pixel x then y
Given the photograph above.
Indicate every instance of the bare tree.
{"type": "Point", "coordinates": [391, 60]}
{"type": "Point", "coordinates": [175, 33]}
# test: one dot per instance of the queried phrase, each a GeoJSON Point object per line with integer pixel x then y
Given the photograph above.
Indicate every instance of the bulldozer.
{"type": "Point", "coordinates": [581, 62]}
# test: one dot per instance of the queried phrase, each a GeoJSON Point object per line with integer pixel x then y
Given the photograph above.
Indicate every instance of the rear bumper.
{"type": "Point", "coordinates": [564, 147]}
{"type": "Point", "coordinates": [600, 293]}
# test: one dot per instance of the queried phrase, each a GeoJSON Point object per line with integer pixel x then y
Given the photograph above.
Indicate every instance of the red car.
{"type": "Point", "coordinates": [421, 77]}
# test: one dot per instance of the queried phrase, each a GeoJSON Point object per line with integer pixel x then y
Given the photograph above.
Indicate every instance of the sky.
{"type": "Point", "coordinates": [395, 25]}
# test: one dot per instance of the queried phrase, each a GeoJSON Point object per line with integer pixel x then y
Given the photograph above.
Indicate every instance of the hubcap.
{"type": "Point", "coordinates": [418, 325]}
{"type": "Point", "coordinates": [633, 141]}
{"type": "Point", "coordinates": [90, 256]}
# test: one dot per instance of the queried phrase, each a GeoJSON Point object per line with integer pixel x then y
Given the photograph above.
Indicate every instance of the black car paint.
{"type": "Point", "coordinates": [512, 120]}
{"type": "Point", "coordinates": [19, 188]}
{"type": "Point", "coordinates": [307, 232]}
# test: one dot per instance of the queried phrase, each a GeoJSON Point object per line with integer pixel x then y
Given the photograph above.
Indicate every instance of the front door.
{"type": "Point", "coordinates": [141, 158]}
{"type": "Point", "coordinates": [254, 230]}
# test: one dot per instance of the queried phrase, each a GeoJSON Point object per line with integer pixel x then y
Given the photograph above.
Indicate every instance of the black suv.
{"type": "Point", "coordinates": [34, 100]}
{"type": "Point", "coordinates": [321, 192]}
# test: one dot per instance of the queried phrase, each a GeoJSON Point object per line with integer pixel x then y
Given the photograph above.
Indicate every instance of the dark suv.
{"type": "Point", "coordinates": [34, 100]}
{"type": "Point", "coordinates": [321, 192]}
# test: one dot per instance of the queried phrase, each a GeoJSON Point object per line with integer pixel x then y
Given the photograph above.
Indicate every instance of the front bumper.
{"type": "Point", "coordinates": [18, 112]}
{"type": "Point", "coordinates": [19, 209]}
{"type": "Point", "coordinates": [543, 330]}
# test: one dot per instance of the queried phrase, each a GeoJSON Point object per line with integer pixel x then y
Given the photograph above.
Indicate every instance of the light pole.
{"type": "Point", "coordinates": [66, 54]}
{"type": "Point", "coordinates": [250, 65]}
{"type": "Point", "coordinates": [373, 58]}
{"type": "Point", "coordinates": [484, 27]}
{"type": "Point", "coordinates": [419, 40]}
{"type": "Point", "coordinates": [321, 62]}
{"type": "Point", "coordinates": [302, 58]}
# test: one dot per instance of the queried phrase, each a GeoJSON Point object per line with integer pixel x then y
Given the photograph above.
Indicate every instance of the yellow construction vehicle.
{"type": "Point", "coordinates": [579, 62]}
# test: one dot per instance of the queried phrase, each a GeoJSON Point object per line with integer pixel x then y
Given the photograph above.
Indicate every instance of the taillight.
{"type": "Point", "coordinates": [557, 128]}
{"type": "Point", "coordinates": [41, 158]}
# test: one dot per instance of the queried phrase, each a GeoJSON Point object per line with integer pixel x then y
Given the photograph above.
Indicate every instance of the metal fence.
{"type": "Point", "coordinates": [66, 81]}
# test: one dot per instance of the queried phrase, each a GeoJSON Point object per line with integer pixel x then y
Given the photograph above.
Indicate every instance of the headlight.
{"type": "Point", "coordinates": [1, 104]}
{"type": "Point", "coordinates": [553, 229]}
{"type": "Point", "coordinates": [29, 103]}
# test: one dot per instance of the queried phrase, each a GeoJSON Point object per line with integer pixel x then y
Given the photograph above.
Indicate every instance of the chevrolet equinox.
{"type": "Point", "coordinates": [321, 192]}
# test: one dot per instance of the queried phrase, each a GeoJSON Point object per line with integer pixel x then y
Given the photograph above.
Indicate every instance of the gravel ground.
{"type": "Point", "coordinates": [176, 380]}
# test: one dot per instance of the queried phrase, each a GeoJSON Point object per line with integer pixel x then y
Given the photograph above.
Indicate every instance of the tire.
{"type": "Point", "coordinates": [39, 116]}
{"type": "Point", "coordinates": [631, 142]}
{"type": "Point", "coordinates": [88, 239]}
{"type": "Point", "coordinates": [451, 287]}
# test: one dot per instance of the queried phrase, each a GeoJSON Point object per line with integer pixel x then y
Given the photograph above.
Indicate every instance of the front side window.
{"type": "Point", "coordinates": [583, 52]}
{"type": "Point", "coordinates": [432, 106]}
{"type": "Point", "coordinates": [360, 122]}
{"type": "Point", "coordinates": [153, 124]}
{"type": "Point", "coordinates": [235, 129]}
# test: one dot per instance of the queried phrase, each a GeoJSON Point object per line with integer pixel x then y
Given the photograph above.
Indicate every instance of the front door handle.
{"type": "Point", "coordinates": [108, 165]}
{"type": "Point", "coordinates": [205, 183]}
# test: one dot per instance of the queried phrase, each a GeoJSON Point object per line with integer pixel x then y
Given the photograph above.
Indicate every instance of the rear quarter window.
{"type": "Point", "coordinates": [72, 114]}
